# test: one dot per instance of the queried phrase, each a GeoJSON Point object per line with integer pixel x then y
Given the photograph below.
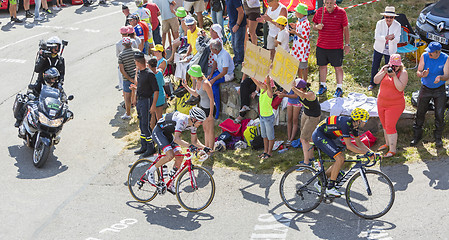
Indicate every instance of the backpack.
{"type": "Point", "coordinates": [145, 29]}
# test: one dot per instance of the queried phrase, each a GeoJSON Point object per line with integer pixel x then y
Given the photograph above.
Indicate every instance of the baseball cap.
{"type": "Point", "coordinates": [133, 16]}
{"type": "Point", "coordinates": [130, 29]}
{"type": "Point", "coordinates": [126, 40]}
{"type": "Point", "coordinates": [189, 20]}
{"type": "Point", "coordinates": [124, 6]}
{"type": "Point", "coordinates": [300, 83]}
{"type": "Point", "coordinates": [433, 46]}
{"type": "Point", "coordinates": [281, 20]}
{"type": "Point", "coordinates": [124, 30]}
{"type": "Point", "coordinates": [217, 28]}
{"type": "Point", "coordinates": [302, 8]}
{"type": "Point", "coordinates": [395, 60]}
{"type": "Point", "coordinates": [181, 12]}
{"type": "Point", "coordinates": [195, 71]}
{"type": "Point", "coordinates": [139, 55]}
{"type": "Point", "coordinates": [158, 48]}
{"type": "Point", "coordinates": [139, 3]}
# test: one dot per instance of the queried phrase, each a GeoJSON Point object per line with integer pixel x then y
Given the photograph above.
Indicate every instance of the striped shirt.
{"type": "Point", "coordinates": [331, 36]}
{"type": "Point", "coordinates": [126, 58]}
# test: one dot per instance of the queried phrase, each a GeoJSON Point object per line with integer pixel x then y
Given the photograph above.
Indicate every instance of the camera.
{"type": "Point", "coordinates": [390, 70]}
{"type": "Point", "coordinates": [46, 51]}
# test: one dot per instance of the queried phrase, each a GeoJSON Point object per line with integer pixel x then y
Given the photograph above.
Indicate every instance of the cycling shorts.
{"type": "Point", "coordinates": [165, 143]}
{"type": "Point", "coordinates": [325, 144]}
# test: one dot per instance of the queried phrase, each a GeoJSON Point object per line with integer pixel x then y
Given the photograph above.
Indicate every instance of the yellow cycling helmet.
{"type": "Point", "coordinates": [360, 114]}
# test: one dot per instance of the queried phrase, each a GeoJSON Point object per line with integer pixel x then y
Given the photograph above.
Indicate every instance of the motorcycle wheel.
{"type": "Point", "coordinates": [40, 153]}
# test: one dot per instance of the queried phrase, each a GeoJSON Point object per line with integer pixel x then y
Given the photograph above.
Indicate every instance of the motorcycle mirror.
{"type": "Point", "coordinates": [70, 97]}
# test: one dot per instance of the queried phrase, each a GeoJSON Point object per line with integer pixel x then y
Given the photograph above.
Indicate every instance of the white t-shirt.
{"type": "Point", "coordinates": [284, 37]}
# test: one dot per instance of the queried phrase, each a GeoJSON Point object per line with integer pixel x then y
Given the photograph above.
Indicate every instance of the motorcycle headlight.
{"type": "Point", "coordinates": [48, 122]}
{"type": "Point", "coordinates": [422, 18]}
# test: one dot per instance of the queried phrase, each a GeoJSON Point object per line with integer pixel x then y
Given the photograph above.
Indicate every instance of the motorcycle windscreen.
{"type": "Point", "coordinates": [49, 101]}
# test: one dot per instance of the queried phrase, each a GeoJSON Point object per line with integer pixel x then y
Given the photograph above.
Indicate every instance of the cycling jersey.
{"type": "Point", "coordinates": [166, 126]}
{"type": "Point", "coordinates": [330, 129]}
{"type": "Point", "coordinates": [337, 126]}
{"type": "Point", "coordinates": [175, 122]}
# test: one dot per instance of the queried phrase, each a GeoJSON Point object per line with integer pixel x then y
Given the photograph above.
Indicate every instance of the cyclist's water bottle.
{"type": "Point", "coordinates": [165, 171]}
{"type": "Point", "coordinates": [173, 172]}
{"type": "Point", "coordinates": [316, 164]}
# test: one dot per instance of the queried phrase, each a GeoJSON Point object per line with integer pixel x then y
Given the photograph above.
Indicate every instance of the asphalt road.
{"type": "Point", "coordinates": [80, 192]}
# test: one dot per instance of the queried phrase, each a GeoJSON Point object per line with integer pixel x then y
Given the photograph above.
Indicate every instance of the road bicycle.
{"type": "Point", "coordinates": [369, 193]}
{"type": "Point", "coordinates": [194, 189]}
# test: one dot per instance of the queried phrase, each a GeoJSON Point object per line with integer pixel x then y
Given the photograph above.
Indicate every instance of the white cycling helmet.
{"type": "Point", "coordinates": [54, 42]}
{"type": "Point", "coordinates": [198, 114]}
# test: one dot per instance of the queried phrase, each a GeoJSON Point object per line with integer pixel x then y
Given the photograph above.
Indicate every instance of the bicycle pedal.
{"type": "Point", "coordinates": [161, 188]}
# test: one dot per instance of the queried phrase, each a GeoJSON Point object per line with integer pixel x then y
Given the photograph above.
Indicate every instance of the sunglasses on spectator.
{"type": "Point", "coordinates": [389, 17]}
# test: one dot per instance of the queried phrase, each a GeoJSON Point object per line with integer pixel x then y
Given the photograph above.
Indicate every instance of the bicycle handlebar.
{"type": "Point", "coordinates": [369, 163]}
{"type": "Point", "coordinates": [200, 154]}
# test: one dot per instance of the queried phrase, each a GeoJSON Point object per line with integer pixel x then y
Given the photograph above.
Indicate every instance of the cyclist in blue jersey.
{"type": "Point", "coordinates": [331, 129]}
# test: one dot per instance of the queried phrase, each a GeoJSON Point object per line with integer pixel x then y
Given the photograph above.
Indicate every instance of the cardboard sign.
{"type": "Point", "coordinates": [284, 69]}
{"type": "Point", "coordinates": [181, 105]}
{"type": "Point", "coordinates": [257, 62]}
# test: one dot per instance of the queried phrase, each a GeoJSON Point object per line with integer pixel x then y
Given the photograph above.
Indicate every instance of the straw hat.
{"type": "Point", "coordinates": [389, 11]}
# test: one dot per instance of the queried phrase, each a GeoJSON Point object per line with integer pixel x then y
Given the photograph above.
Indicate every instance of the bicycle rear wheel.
{"type": "Point", "coordinates": [196, 192]}
{"type": "Point", "coordinates": [374, 204]}
{"type": "Point", "coordinates": [298, 190]}
{"type": "Point", "coordinates": [138, 185]}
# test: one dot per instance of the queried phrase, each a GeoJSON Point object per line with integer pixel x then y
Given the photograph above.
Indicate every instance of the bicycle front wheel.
{"type": "Point", "coordinates": [372, 198]}
{"type": "Point", "coordinates": [195, 189]}
{"type": "Point", "coordinates": [138, 185]}
{"type": "Point", "coordinates": [299, 190]}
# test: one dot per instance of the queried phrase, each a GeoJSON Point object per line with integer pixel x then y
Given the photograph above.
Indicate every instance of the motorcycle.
{"type": "Point", "coordinates": [43, 120]}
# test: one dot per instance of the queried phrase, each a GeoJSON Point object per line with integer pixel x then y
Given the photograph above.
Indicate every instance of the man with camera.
{"type": "Point", "coordinates": [49, 58]}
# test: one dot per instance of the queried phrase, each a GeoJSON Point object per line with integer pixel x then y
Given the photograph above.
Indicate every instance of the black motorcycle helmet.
{"type": "Point", "coordinates": [51, 76]}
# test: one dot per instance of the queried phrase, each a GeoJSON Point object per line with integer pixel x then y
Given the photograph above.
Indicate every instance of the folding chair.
{"type": "Point", "coordinates": [408, 36]}
{"type": "Point", "coordinates": [404, 45]}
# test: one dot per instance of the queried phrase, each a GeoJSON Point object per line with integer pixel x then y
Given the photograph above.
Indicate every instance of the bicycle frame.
{"type": "Point", "coordinates": [186, 164]}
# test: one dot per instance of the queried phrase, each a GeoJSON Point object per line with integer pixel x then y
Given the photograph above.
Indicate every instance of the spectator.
{"type": "Point", "coordinates": [147, 92]}
{"type": "Point", "coordinates": [125, 11]}
{"type": "Point", "coordinates": [237, 24]}
{"type": "Point", "coordinates": [132, 35]}
{"type": "Point", "coordinates": [159, 53]}
{"type": "Point", "coordinates": [13, 11]}
{"type": "Point", "coordinates": [181, 14]}
{"type": "Point", "coordinates": [433, 69]}
{"type": "Point", "coordinates": [274, 10]}
{"type": "Point", "coordinates": [145, 23]}
{"type": "Point", "coordinates": [37, 6]}
{"type": "Point", "coordinates": [215, 33]}
{"type": "Point", "coordinates": [119, 48]}
{"type": "Point", "coordinates": [141, 33]}
{"type": "Point", "coordinates": [293, 110]}
{"type": "Point", "coordinates": [332, 25]}
{"type": "Point", "coordinates": [169, 21]}
{"type": "Point", "coordinates": [155, 24]}
{"type": "Point", "coordinates": [283, 36]}
{"type": "Point", "coordinates": [182, 60]}
{"type": "Point", "coordinates": [252, 11]}
{"type": "Point", "coordinates": [247, 91]}
{"type": "Point", "coordinates": [310, 118]}
{"type": "Point", "coordinates": [26, 7]}
{"type": "Point", "coordinates": [127, 68]}
{"type": "Point", "coordinates": [266, 116]}
{"type": "Point", "coordinates": [160, 101]}
{"type": "Point", "coordinates": [390, 100]}
{"type": "Point", "coordinates": [386, 38]}
{"type": "Point", "coordinates": [198, 7]}
{"type": "Point", "coordinates": [217, 13]}
{"type": "Point", "coordinates": [222, 70]}
{"type": "Point", "coordinates": [301, 43]}
{"type": "Point", "coordinates": [203, 89]}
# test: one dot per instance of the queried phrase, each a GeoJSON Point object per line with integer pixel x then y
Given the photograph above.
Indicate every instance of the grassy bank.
{"type": "Point", "coordinates": [357, 69]}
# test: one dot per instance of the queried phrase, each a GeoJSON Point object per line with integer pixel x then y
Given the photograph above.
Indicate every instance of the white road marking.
{"type": "Point", "coordinates": [12, 60]}
{"type": "Point", "coordinates": [90, 19]}
{"type": "Point", "coordinates": [23, 40]}
{"type": "Point", "coordinates": [69, 28]}
{"type": "Point", "coordinates": [274, 226]}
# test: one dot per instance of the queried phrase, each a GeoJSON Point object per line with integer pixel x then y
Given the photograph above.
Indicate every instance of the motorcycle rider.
{"type": "Point", "coordinates": [48, 58]}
